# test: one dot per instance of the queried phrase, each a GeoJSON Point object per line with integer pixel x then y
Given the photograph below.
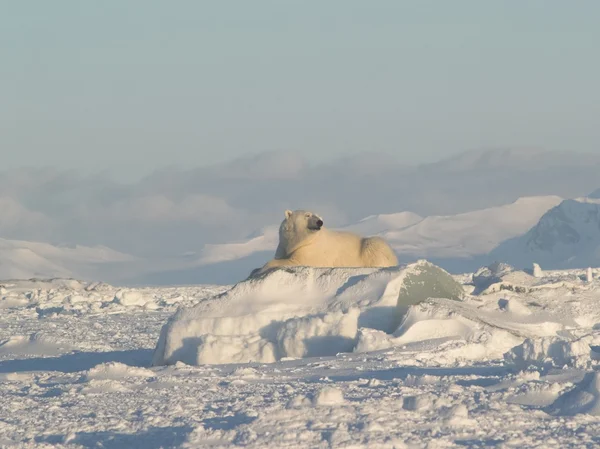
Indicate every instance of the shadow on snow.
{"type": "Point", "coordinates": [153, 438]}
{"type": "Point", "coordinates": [78, 361]}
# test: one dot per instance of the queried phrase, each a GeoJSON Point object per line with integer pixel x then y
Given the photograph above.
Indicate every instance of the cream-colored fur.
{"type": "Point", "coordinates": [304, 241]}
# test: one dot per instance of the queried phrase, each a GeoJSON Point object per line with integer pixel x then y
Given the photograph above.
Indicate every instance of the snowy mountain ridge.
{"type": "Point", "coordinates": [512, 158]}
{"type": "Point", "coordinates": [570, 223]}
{"type": "Point", "coordinates": [568, 235]}
{"type": "Point", "coordinates": [22, 259]}
{"type": "Point", "coordinates": [595, 194]}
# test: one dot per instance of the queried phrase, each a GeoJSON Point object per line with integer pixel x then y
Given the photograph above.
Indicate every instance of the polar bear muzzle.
{"type": "Point", "coordinates": [315, 223]}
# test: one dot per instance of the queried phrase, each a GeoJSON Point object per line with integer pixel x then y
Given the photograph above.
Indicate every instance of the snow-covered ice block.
{"type": "Point", "coordinates": [299, 312]}
{"type": "Point", "coordinates": [328, 396]}
{"type": "Point", "coordinates": [38, 343]}
{"type": "Point", "coordinates": [583, 398]}
{"type": "Point", "coordinates": [320, 334]}
{"type": "Point", "coordinates": [493, 273]}
{"type": "Point", "coordinates": [116, 370]}
{"type": "Point", "coordinates": [131, 298]}
{"type": "Point", "coordinates": [537, 271]}
{"type": "Point", "coordinates": [501, 276]}
{"type": "Point", "coordinates": [216, 349]}
{"type": "Point", "coordinates": [552, 351]}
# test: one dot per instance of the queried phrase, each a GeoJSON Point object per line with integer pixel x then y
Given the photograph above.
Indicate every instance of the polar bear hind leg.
{"type": "Point", "coordinates": [375, 252]}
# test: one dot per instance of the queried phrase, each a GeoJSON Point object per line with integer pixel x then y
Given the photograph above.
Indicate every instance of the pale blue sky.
{"type": "Point", "coordinates": [135, 85]}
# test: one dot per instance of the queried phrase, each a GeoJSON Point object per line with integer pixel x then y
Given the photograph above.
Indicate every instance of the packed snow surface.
{"type": "Point", "coordinates": [358, 358]}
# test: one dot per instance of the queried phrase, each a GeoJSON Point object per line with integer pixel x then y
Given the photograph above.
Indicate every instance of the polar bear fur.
{"type": "Point", "coordinates": [304, 241]}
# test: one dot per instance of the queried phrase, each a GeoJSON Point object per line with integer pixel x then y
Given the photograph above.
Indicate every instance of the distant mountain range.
{"type": "Point", "coordinates": [522, 159]}
{"type": "Point", "coordinates": [567, 236]}
{"type": "Point", "coordinates": [23, 260]}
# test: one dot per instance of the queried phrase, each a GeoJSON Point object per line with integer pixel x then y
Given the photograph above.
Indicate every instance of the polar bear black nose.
{"type": "Point", "coordinates": [319, 223]}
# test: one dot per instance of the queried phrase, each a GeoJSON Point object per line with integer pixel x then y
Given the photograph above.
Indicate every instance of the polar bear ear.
{"type": "Point", "coordinates": [288, 213]}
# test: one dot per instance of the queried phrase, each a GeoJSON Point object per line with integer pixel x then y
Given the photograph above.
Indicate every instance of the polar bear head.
{"type": "Point", "coordinates": [297, 226]}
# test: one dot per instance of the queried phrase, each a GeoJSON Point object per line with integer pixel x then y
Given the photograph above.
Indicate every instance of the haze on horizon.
{"type": "Point", "coordinates": [129, 87]}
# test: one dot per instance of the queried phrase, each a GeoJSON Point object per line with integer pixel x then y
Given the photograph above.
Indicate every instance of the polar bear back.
{"type": "Point", "coordinates": [344, 249]}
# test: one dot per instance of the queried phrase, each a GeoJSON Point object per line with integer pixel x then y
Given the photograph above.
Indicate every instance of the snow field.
{"type": "Point", "coordinates": [511, 366]}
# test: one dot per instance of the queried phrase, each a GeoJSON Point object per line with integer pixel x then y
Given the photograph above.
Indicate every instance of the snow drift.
{"type": "Point", "coordinates": [299, 312]}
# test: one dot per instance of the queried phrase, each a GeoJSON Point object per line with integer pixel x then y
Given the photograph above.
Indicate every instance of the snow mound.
{"type": "Point", "coordinates": [328, 396]}
{"type": "Point", "coordinates": [552, 351]}
{"type": "Point", "coordinates": [584, 398]}
{"type": "Point", "coordinates": [116, 370]}
{"type": "Point", "coordinates": [132, 298]}
{"type": "Point", "coordinates": [34, 344]}
{"type": "Point", "coordinates": [501, 276]}
{"type": "Point", "coordinates": [493, 326]}
{"type": "Point", "coordinates": [299, 312]}
{"type": "Point", "coordinates": [454, 331]}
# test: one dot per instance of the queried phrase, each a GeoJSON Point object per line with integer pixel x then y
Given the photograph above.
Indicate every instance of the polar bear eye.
{"type": "Point", "coordinates": [307, 215]}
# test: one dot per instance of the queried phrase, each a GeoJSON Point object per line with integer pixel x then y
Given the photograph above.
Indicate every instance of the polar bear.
{"type": "Point", "coordinates": [304, 241]}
